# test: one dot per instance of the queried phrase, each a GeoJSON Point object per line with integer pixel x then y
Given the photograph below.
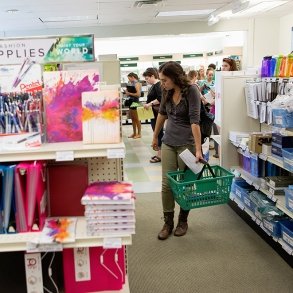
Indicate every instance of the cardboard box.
{"type": "Point", "coordinates": [257, 140]}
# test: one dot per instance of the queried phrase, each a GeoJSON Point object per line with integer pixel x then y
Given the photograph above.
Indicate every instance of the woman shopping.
{"type": "Point", "coordinates": [133, 93]}
{"type": "Point", "coordinates": [181, 106]}
{"type": "Point", "coordinates": [154, 96]}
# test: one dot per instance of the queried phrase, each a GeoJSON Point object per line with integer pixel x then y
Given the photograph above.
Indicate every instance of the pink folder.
{"type": "Point", "coordinates": [109, 276]}
{"type": "Point", "coordinates": [30, 196]}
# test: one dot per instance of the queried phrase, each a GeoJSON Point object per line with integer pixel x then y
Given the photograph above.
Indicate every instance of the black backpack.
{"type": "Point", "coordinates": [206, 123]}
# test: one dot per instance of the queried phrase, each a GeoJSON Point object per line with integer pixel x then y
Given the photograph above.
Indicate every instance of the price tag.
{"type": "Point", "coordinates": [64, 156]}
{"type": "Point", "coordinates": [37, 247]}
{"type": "Point", "coordinates": [241, 206]}
{"type": "Point", "coordinates": [113, 242]}
{"type": "Point", "coordinates": [115, 153]}
{"type": "Point", "coordinates": [287, 248]}
{"type": "Point", "coordinates": [263, 157]}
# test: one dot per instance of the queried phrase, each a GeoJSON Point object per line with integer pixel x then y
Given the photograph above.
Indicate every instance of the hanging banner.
{"type": "Point", "coordinates": [47, 50]}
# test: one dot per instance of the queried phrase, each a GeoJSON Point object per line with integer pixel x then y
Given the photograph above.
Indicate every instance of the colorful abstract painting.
{"type": "Point", "coordinates": [62, 99]}
{"type": "Point", "coordinates": [100, 116]}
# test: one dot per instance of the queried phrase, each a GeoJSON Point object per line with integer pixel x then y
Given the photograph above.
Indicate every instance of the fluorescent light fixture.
{"type": "Point", "coordinates": [213, 19]}
{"type": "Point", "coordinates": [185, 12]}
{"type": "Point", "coordinates": [225, 14]}
{"type": "Point", "coordinates": [261, 7]}
{"type": "Point", "coordinates": [68, 18]}
{"type": "Point", "coordinates": [12, 11]}
{"type": "Point", "coordinates": [238, 6]}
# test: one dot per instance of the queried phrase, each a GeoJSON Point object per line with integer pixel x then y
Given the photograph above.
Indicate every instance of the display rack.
{"type": "Point", "coordinates": [104, 161]}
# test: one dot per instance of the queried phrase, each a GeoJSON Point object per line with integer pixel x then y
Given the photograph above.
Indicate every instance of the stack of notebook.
{"type": "Point", "coordinates": [109, 209]}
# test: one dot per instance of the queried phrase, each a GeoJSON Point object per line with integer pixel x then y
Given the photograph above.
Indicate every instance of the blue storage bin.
{"type": "Point", "coordinates": [256, 165]}
{"type": "Point", "coordinates": [242, 188]}
{"type": "Point", "coordinates": [287, 232]}
{"type": "Point", "coordinates": [273, 226]}
{"type": "Point", "coordinates": [248, 202]}
{"type": "Point", "coordinates": [246, 162]}
{"type": "Point", "coordinates": [288, 158]}
{"type": "Point", "coordinates": [289, 199]}
{"type": "Point", "coordinates": [282, 118]}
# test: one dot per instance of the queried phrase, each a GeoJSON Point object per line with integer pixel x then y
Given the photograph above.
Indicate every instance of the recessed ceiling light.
{"type": "Point", "coordinates": [12, 11]}
{"type": "Point", "coordinates": [69, 18]}
{"type": "Point", "coordinates": [185, 12]}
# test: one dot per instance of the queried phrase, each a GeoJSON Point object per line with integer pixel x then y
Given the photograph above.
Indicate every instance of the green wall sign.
{"type": "Point", "coordinates": [195, 55]}
{"type": "Point", "coordinates": [128, 65]}
{"type": "Point", "coordinates": [128, 59]}
{"type": "Point", "coordinates": [162, 57]}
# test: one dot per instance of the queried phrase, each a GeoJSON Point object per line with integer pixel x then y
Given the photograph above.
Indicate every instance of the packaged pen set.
{"type": "Point", "coordinates": [21, 112]}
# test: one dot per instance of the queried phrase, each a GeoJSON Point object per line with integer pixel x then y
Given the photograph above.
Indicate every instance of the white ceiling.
{"type": "Point", "coordinates": [34, 14]}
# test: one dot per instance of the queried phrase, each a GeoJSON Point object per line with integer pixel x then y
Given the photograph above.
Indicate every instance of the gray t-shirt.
{"type": "Point", "coordinates": [180, 117]}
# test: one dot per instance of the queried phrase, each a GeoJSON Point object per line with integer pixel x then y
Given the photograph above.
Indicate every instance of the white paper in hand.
{"type": "Point", "coordinates": [189, 159]}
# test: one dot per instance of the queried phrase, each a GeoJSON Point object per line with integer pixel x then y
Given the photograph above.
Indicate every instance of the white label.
{"type": "Point", "coordinates": [238, 193]}
{"type": "Point", "coordinates": [240, 206]}
{"type": "Point", "coordinates": [115, 153]}
{"type": "Point", "coordinates": [33, 272]}
{"type": "Point", "coordinates": [82, 264]}
{"type": "Point", "coordinates": [268, 225]}
{"type": "Point", "coordinates": [290, 203]}
{"type": "Point", "coordinates": [37, 247]}
{"type": "Point", "coordinates": [64, 156]}
{"type": "Point", "coordinates": [272, 190]}
{"type": "Point", "coordinates": [287, 238]}
{"type": "Point", "coordinates": [257, 221]}
{"type": "Point", "coordinates": [287, 248]}
{"type": "Point", "coordinates": [279, 120]}
{"type": "Point", "coordinates": [113, 242]}
{"type": "Point", "coordinates": [247, 201]}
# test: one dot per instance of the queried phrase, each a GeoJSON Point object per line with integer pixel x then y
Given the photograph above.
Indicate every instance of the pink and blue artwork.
{"type": "Point", "coordinates": [62, 99]}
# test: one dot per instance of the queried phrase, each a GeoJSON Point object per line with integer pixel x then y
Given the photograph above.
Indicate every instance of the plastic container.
{"type": "Point", "coordinates": [282, 118]}
{"type": "Point", "coordinates": [246, 162]}
{"type": "Point", "coordinates": [256, 165]}
{"type": "Point", "coordinates": [289, 66]}
{"type": "Point", "coordinates": [289, 199]}
{"type": "Point", "coordinates": [190, 192]}
{"type": "Point", "coordinates": [287, 232]}
{"type": "Point", "coordinates": [265, 66]}
{"type": "Point", "coordinates": [272, 66]}
{"type": "Point", "coordinates": [278, 65]}
{"type": "Point", "coordinates": [273, 226]}
{"type": "Point", "coordinates": [288, 158]}
{"type": "Point", "coordinates": [242, 189]}
{"type": "Point", "coordinates": [283, 66]}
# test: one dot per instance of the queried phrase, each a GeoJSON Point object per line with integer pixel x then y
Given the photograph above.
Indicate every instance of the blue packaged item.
{"type": "Point", "coordinates": [265, 66]}
{"type": "Point", "coordinates": [287, 232]}
{"type": "Point", "coordinates": [288, 158]}
{"type": "Point", "coordinates": [273, 226]}
{"type": "Point", "coordinates": [242, 188]}
{"type": "Point", "coordinates": [273, 62]}
{"type": "Point", "coordinates": [282, 118]}
{"type": "Point", "coordinates": [289, 197]}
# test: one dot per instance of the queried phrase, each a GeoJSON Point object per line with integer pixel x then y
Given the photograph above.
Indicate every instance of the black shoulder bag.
{"type": "Point", "coordinates": [206, 123]}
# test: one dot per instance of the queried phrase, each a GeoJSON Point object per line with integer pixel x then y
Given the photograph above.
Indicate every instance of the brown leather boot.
{"type": "Point", "coordinates": [182, 225]}
{"type": "Point", "coordinates": [168, 226]}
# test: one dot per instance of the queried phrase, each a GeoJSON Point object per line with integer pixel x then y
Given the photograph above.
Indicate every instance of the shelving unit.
{"type": "Point", "coordinates": [232, 116]}
{"type": "Point", "coordinates": [104, 162]}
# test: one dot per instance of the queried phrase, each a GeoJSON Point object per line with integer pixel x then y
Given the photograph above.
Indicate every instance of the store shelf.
{"type": "Point", "coordinates": [255, 181]}
{"type": "Point", "coordinates": [18, 241]}
{"type": "Point", "coordinates": [282, 206]}
{"type": "Point", "coordinates": [64, 151]}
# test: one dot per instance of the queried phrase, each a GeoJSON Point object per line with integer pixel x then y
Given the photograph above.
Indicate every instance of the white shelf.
{"type": "Point", "coordinates": [48, 151]}
{"type": "Point", "coordinates": [282, 206]}
{"type": "Point", "coordinates": [255, 181]}
{"type": "Point", "coordinates": [286, 247]}
{"type": "Point", "coordinates": [18, 241]}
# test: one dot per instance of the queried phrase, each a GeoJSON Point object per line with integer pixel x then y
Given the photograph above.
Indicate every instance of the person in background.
{"type": "Point", "coordinates": [212, 66]}
{"type": "Point", "coordinates": [192, 76]}
{"type": "Point", "coordinates": [154, 97]}
{"type": "Point", "coordinates": [134, 97]}
{"type": "Point", "coordinates": [201, 75]}
{"type": "Point", "coordinates": [229, 65]}
{"type": "Point", "coordinates": [181, 106]}
{"type": "Point", "coordinates": [209, 83]}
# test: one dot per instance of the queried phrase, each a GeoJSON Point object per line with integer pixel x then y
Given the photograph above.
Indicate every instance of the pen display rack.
{"type": "Point", "coordinates": [21, 112]}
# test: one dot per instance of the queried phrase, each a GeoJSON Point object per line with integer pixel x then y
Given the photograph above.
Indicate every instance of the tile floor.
{"type": "Point", "coordinates": [145, 176]}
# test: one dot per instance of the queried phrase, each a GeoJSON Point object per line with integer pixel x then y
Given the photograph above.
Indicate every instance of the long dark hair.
{"type": "Point", "coordinates": [175, 72]}
{"type": "Point", "coordinates": [232, 63]}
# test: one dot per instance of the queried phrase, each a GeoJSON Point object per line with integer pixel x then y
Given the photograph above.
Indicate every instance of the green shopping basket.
{"type": "Point", "coordinates": [211, 186]}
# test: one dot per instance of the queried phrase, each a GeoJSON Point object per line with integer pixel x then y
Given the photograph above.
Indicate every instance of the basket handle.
{"type": "Point", "coordinates": [206, 165]}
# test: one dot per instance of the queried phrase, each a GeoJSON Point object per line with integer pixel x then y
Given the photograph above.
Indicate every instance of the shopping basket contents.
{"type": "Point", "coordinates": [211, 186]}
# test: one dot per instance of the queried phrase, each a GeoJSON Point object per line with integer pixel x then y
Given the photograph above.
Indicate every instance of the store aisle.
{"type": "Point", "coordinates": [219, 254]}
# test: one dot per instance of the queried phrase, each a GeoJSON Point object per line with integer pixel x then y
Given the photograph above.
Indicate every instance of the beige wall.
{"type": "Point", "coordinates": [285, 36]}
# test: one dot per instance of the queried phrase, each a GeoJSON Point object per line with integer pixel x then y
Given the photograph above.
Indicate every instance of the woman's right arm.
{"type": "Point", "coordinates": [159, 125]}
